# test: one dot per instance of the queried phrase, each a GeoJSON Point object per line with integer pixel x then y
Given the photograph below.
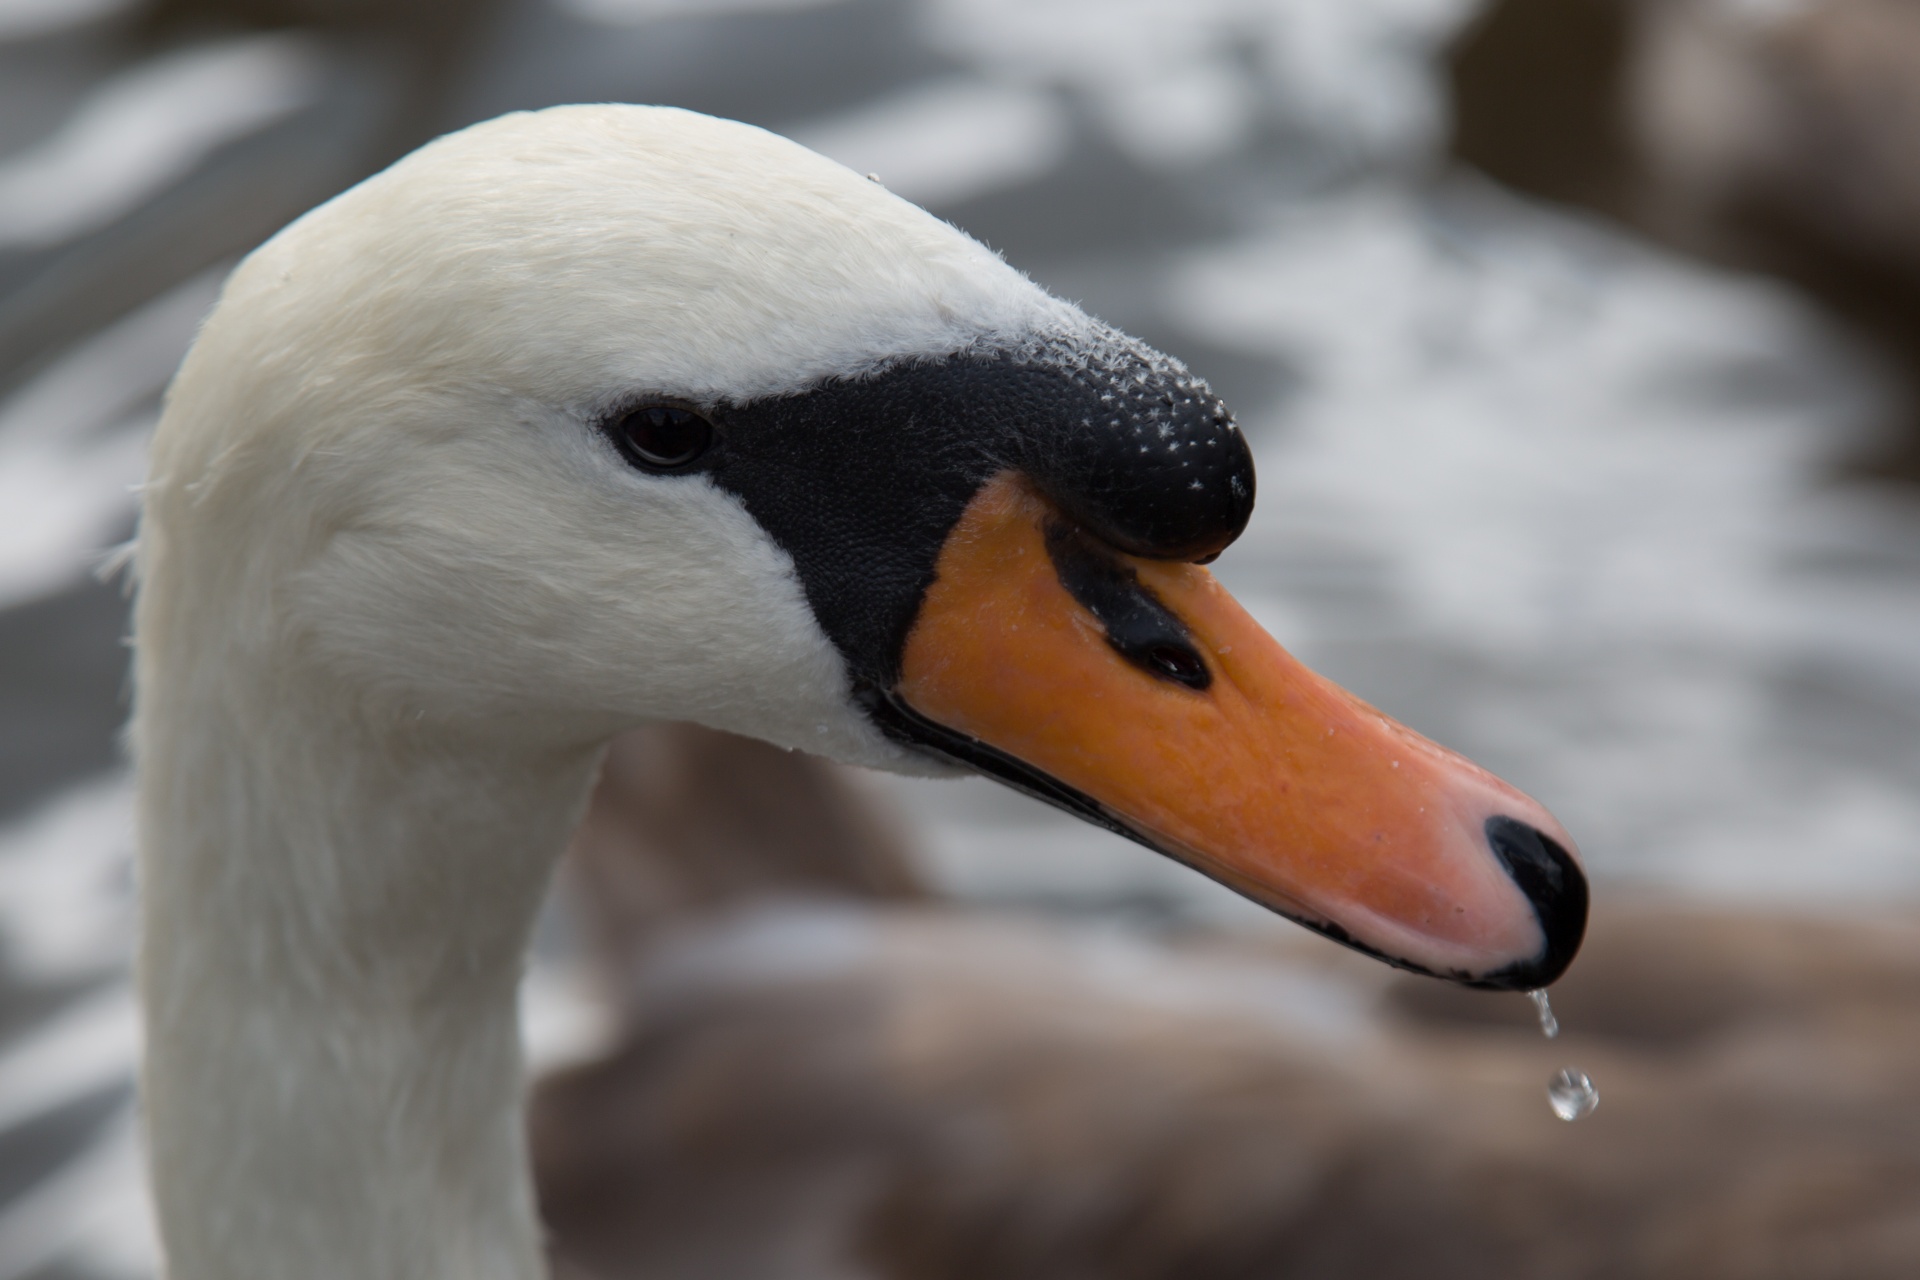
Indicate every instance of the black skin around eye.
{"type": "Point", "coordinates": [662, 437]}
{"type": "Point", "coordinates": [861, 480]}
{"type": "Point", "coordinates": [1140, 628]}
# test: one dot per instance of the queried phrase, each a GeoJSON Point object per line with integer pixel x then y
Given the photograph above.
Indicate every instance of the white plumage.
{"type": "Point", "coordinates": [395, 594]}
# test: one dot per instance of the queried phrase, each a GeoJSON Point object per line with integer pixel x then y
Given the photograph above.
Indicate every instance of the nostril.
{"type": "Point", "coordinates": [1557, 888]}
{"type": "Point", "coordinates": [1177, 662]}
{"type": "Point", "coordinates": [1140, 628]}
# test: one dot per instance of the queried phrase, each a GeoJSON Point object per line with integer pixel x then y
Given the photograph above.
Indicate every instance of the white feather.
{"type": "Point", "coordinates": [395, 594]}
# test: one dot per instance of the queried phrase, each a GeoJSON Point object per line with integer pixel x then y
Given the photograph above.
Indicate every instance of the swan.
{"type": "Point", "coordinates": [597, 416]}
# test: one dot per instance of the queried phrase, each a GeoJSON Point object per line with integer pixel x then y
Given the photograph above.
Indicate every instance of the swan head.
{"type": "Point", "coordinates": [597, 415]}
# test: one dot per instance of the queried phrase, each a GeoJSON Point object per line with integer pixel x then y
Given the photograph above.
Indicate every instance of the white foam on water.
{"type": "Point", "coordinates": [92, 1213]}
{"type": "Point", "coordinates": [1173, 82]}
{"type": "Point", "coordinates": [66, 892]}
{"type": "Point", "coordinates": [622, 13]}
{"type": "Point", "coordinates": [89, 1046]}
{"type": "Point", "coordinates": [948, 141]}
{"type": "Point", "coordinates": [22, 20]}
{"type": "Point", "coordinates": [148, 127]}
{"type": "Point", "coordinates": [73, 441]}
{"type": "Point", "coordinates": [1509, 403]}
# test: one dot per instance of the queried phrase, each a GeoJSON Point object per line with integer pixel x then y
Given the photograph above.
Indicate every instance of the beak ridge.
{"type": "Point", "coordinates": [1076, 681]}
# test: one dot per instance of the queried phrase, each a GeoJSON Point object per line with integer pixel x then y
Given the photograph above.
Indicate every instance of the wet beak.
{"type": "Point", "coordinates": [1070, 670]}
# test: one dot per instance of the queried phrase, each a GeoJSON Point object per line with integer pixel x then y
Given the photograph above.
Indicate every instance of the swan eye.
{"type": "Point", "coordinates": [662, 437]}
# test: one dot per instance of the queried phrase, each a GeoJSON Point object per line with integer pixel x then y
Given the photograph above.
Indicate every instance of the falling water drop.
{"type": "Point", "coordinates": [1549, 1025]}
{"type": "Point", "coordinates": [1572, 1095]}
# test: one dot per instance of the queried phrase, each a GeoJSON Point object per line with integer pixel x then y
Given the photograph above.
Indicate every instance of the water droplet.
{"type": "Point", "coordinates": [1549, 1025]}
{"type": "Point", "coordinates": [1572, 1095]}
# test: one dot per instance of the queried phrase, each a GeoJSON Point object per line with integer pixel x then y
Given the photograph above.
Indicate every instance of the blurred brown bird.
{"type": "Point", "coordinates": [822, 1070]}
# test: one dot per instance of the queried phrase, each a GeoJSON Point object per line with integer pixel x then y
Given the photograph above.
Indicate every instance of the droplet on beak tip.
{"type": "Point", "coordinates": [1549, 1025]}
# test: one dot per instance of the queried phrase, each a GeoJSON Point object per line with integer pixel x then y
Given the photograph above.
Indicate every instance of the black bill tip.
{"type": "Point", "coordinates": [1557, 888]}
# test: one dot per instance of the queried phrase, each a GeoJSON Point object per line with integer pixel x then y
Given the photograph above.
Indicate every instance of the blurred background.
{"type": "Point", "coordinates": [1578, 343]}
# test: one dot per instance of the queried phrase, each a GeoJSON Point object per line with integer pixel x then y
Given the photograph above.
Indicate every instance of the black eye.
{"type": "Point", "coordinates": [662, 437]}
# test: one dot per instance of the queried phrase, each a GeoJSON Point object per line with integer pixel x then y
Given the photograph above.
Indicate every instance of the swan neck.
{"type": "Point", "coordinates": [336, 911]}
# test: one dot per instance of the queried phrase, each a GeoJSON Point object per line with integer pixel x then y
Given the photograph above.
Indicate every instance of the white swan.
{"type": "Point", "coordinates": [602, 415]}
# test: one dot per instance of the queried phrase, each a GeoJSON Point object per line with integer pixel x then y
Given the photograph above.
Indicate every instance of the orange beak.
{"type": "Point", "coordinates": [1141, 695]}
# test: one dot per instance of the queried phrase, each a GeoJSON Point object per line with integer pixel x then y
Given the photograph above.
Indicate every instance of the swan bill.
{"type": "Point", "coordinates": [1068, 669]}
